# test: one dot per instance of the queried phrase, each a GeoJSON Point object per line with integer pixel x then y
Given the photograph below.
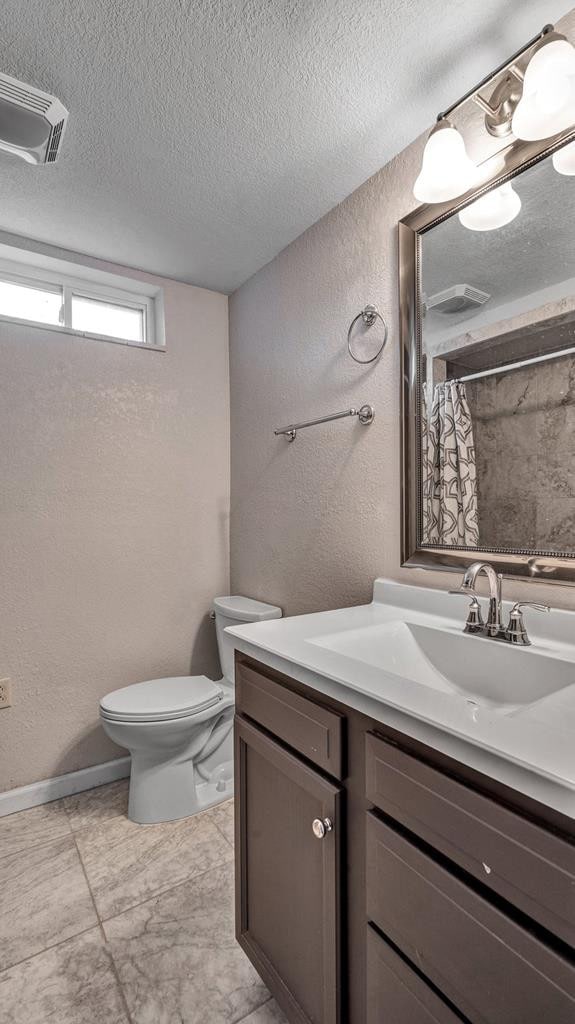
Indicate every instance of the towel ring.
{"type": "Point", "coordinates": [369, 314]}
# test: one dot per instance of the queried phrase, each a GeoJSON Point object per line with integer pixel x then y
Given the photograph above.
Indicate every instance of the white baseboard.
{"type": "Point", "coordinates": [63, 785]}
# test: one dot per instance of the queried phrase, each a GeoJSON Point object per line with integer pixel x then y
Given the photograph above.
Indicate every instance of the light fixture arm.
{"type": "Point", "coordinates": [508, 65]}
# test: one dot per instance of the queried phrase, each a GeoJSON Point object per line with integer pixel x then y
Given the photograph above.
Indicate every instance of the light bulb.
{"type": "Point", "coordinates": [564, 159]}
{"type": "Point", "coordinates": [446, 170]}
{"type": "Point", "coordinates": [492, 210]}
{"type": "Point", "coordinates": [547, 105]}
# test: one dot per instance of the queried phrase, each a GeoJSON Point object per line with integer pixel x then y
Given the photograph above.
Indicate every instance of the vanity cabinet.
{"type": "Point", "coordinates": [436, 895]}
{"type": "Point", "coordinates": [289, 877]}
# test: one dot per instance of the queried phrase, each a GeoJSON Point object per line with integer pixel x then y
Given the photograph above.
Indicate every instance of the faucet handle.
{"type": "Point", "coordinates": [516, 631]}
{"type": "Point", "coordinates": [530, 604]}
{"type": "Point", "coordinates": [474, 622]}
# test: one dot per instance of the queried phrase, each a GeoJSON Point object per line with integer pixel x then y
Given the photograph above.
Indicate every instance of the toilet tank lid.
{"type": "Point", "coordinates": [244, 609]}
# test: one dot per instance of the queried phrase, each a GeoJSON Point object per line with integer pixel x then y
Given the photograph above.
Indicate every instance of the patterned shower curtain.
{"type": "Point", "coordinates": [449, 476]}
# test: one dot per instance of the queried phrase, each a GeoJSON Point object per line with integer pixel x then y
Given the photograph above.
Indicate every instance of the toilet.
{"type": "Point", "coordinates": [179, 730]}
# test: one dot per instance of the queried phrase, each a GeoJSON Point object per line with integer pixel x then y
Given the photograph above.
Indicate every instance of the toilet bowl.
{"type": "Point", "coordinates": [179, 730]}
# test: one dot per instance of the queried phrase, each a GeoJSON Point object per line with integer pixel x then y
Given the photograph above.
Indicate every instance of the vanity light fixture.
{"type": "Point", "coordinates": [492, 210]}
{"type": "Point", "coordinates": [547, 105]}
{"type": "Point", "coordinates": [564, 159]}
{"type": "Point", "coordinates": [533, 104]}
{"type": "Point", "coordinates": [446, 170]}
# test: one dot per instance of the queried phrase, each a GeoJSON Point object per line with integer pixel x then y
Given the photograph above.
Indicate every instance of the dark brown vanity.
{"type": "Point", "coordinates": [380, 882]}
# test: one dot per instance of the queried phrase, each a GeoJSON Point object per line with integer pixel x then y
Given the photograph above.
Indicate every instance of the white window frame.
{"type": "Point", "coordinates": [89, 284]}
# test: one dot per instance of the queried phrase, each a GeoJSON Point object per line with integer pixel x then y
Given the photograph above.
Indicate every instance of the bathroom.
{"type": "Point", "coordinates": [231, 305]}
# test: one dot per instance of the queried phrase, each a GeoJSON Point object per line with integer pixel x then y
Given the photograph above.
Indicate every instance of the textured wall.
{"type": "Point", "coordinates": [114, 507]}
{"type": "Point", "coordinates": [312, 523]}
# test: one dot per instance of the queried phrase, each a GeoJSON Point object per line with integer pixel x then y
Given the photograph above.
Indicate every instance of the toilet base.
{"type": "Point", "coordinates": [217, 790]}
{"type": "Point", "coordinates": [166, 792]}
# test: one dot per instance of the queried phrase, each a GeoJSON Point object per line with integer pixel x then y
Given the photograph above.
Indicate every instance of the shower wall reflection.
{"type": "Point", "coordinates": [524, 431]}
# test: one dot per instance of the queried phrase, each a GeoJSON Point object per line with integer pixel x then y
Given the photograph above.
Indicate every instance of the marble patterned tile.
{"type": "Point", "coordinates": [177, 958]}
{"type": "Point", "coordinates": [512, 522]}
{"type": "Point", "coordinates": [556, 382]}
{"type": "Point", "coordinates": [96, 805]}
{"type": "Point", "coordinates": [127, 863]}
{"type": "Point", "coordinates": [74, 983]}
{"type": "Point", "coordinates": [223, 816]}
{"type": "Point", "coordinates": [32, 827]}
{"type": "Point", "coordinates": [517, 413]}
{"type": "Point", "coordinates": [556, 524]}
{"type": "Point", "coordinates": [269, 1013]}
{"type": "Point", "coordinates": [556, 443]}
{"type": "Point", "coordinates": [516, 394]}
{"type": "Point", "coordinates": [44, 899]}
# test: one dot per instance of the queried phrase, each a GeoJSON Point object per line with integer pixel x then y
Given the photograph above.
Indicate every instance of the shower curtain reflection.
{"type": "Point", "coordinates": [449, 473]}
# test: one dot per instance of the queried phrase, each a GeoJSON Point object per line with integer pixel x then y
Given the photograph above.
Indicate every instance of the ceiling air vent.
{"type": "Point", "coordinates": [457, 299]}
{"type": "Point", "coordinates": [32, 122]}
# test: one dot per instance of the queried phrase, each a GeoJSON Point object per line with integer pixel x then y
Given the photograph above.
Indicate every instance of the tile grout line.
{"type": "Point", "coordinates": [255, 1010]}
{"type": "Point", "coordinates": [114, 970]}
{"type": "Point", "coordinates": [47, 949]}
{"type": "Point", "coordinates": [223, 835]}
{"type": "Point", "coordinates": [160, 892]}
{"type": "Point", "coordinates": [36, 846]}
{"type": "Point", "coordinates": [72, 832]}
{"type": "Point", "coordinates": [87, 880]}
{"type": "Point", "coordinates": [164, 892]}
{"type": "Point", "coordinates": [100, 927]}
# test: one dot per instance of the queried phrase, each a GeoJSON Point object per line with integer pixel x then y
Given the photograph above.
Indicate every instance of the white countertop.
{"type": "Point", "coordinates": [530, 748]}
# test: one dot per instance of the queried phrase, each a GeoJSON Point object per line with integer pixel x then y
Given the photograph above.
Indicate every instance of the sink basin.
{"type": "Point", "coordinates": [485, 671]}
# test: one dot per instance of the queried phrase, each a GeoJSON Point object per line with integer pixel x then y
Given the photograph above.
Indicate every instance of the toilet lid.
{"type": "Point", "coordinates": [161, 699]}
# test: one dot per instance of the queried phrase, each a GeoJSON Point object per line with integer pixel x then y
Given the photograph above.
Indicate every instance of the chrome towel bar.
{"type": "Point", "coordinates": [365, 415]}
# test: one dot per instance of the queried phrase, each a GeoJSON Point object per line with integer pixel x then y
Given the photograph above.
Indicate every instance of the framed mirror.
{"type": "Point", "coordinates": [487, 307]}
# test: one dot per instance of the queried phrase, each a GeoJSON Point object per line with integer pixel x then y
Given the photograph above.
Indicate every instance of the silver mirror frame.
{"type": "Point", "coordinates": [540, 566]}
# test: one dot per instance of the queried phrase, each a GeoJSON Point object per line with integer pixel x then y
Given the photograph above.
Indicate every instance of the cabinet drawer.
{"type": "Point", "coordinates": [301, 723]}
{"type": "Point", "coordinates": [490, 968]}
{"type": "Point", "coordinates": [530, 867]}
{"type": "Point", "coordinates": [396, 994]}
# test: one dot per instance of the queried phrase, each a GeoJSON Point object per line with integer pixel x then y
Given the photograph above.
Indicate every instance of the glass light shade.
{"type": "Point", "coordinates": [446, 169]}
{"type": "Point", "coordinates": [492, 210]}
{"type": "Point", "coordinates": [564, 159]}
{"type": "Point", "coordinates": [547, 105]}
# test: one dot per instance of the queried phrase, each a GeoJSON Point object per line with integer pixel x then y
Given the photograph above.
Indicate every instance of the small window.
{"type": "Point", "coordinates": [24, 301]}
{"type": "Point", "coordinates": [109, 318]}
{"type": "Point", "coordinates": [91, 306]}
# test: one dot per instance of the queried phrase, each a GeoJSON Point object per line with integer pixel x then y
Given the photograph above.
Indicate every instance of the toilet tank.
{"type": "Point", "coordinates": [234, 611]}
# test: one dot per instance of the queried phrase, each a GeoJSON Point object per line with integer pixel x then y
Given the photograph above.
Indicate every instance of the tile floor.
{"type": "Point", "coordinates": [107, 922]}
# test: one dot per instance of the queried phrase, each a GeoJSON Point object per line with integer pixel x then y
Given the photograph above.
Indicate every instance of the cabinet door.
{"type": "Point", "coordinates": [287, 879]}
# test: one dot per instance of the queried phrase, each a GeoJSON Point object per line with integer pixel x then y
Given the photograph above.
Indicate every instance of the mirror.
{"type": "Point", "coordinates": [490, 361]}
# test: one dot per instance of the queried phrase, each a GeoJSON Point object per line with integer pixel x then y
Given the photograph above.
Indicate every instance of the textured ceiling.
{"type": "Point", "coordinates": [207, 134]}
{"type": "Point", "coordinates": [534, 252]}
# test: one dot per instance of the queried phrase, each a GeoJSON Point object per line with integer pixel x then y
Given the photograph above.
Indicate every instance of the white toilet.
{"type": "Point", "coordinates": [180, 731]}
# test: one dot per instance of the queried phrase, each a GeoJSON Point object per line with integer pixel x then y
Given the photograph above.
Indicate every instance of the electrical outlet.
{"type": "Point", "coordinates": [5, 693]}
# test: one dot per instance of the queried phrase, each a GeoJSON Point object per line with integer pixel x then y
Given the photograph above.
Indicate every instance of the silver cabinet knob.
{"type": "Point", "coordinates": [320, 827]}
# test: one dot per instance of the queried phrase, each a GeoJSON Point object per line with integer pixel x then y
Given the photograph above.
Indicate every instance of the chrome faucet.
{"type": "Point", "coordinates": [515, 632]}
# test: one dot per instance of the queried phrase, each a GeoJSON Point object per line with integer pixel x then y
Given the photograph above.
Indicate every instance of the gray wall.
{"type": "Point", "coordinates": [523, 432]}
{"type": "Point", "coordinates": [314, 522]}
{"type": "Point", "coordinates": [114, 502]}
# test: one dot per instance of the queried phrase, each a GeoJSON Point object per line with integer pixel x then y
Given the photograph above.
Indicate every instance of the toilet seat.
{"type": "Point", "coordinates": [161, 700]}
